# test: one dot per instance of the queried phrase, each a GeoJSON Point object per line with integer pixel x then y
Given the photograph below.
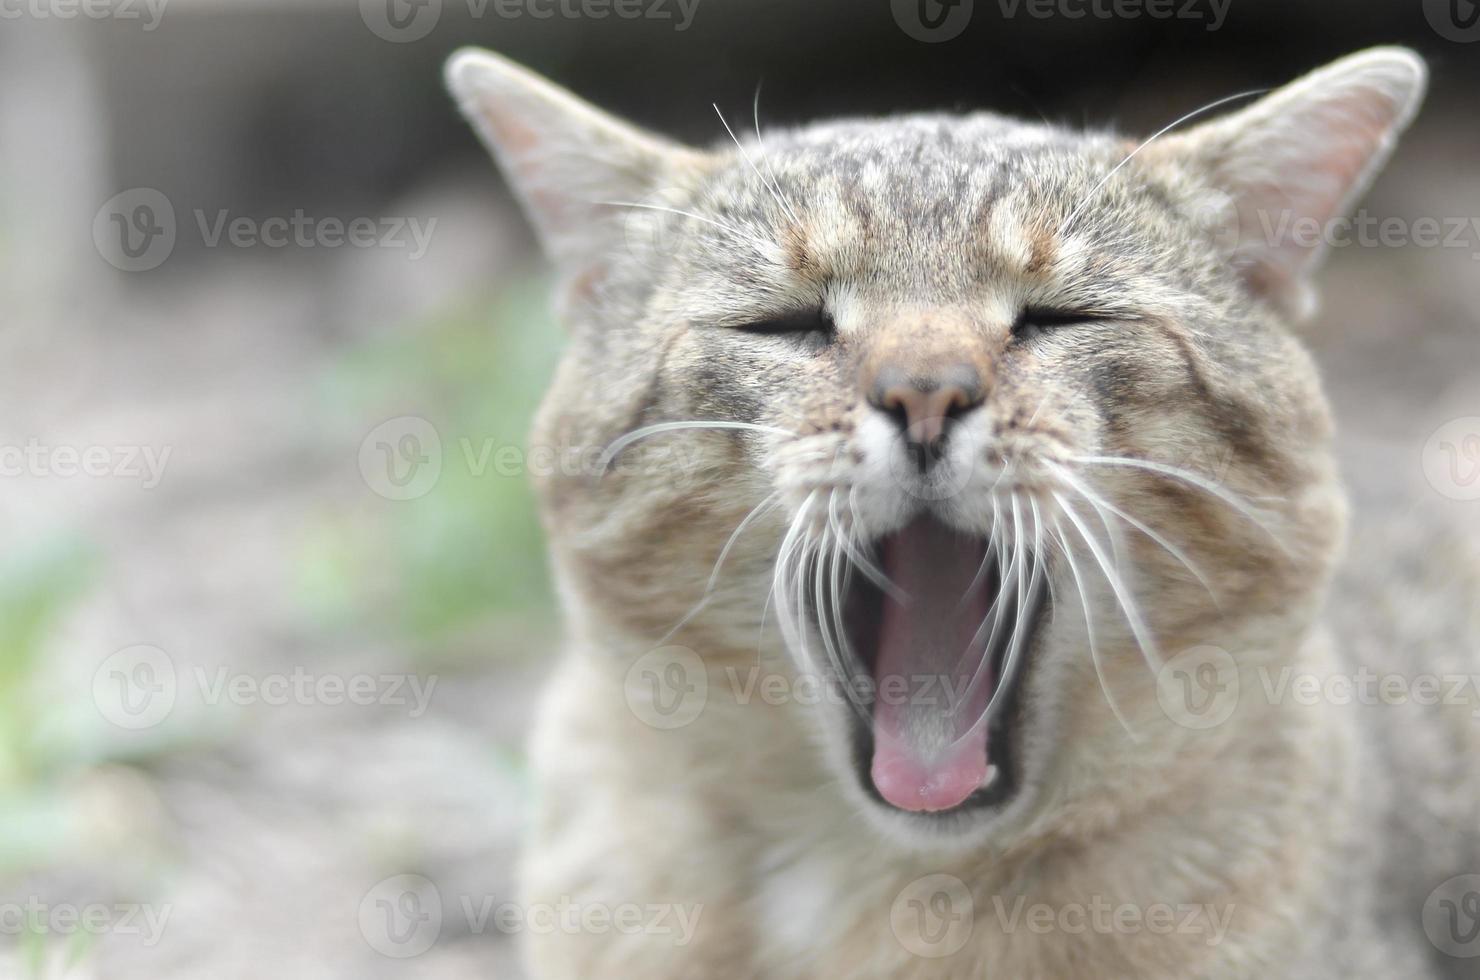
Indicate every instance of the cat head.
{"type": "Point", "coordinates": [976, 422]}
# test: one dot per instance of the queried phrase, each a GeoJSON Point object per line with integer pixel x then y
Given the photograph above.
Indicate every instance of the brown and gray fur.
{"type": "Point", "coordinates": [1316, 829]}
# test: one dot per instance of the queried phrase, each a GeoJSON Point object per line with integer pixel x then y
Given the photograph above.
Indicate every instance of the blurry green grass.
{"type": "Point", "coordinates": [39, 583]}
{"type": "Point", "coordinates": [469, 555]}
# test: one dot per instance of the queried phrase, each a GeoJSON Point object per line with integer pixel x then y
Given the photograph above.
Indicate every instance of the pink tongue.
{"type": "Point", "coordinates": [929, 753]}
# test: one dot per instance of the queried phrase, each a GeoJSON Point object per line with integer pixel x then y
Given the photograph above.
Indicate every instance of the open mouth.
{"type": "Point", "coordinates": [943, 643]}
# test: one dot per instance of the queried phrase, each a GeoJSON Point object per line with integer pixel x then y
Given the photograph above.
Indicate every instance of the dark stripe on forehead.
{"type": "Point", "coordinates": [799, 256]}
{"type": "Point", "coordinates": [858, 207]}
{"type": "Point", "coordinates": [1043, 248]}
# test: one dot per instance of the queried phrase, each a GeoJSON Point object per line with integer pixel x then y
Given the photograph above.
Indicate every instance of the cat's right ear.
{"type": "Point", "coordinates": [1299, 157]}
{"type": "Point", "coordinates": [571, 165]}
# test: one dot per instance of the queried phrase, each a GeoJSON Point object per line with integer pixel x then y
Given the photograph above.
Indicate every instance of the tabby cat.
{"type": "Point", "coordinates": [954, 494]}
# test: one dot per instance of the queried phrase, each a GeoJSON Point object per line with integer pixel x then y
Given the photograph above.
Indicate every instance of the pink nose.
{"type": "Point", "coordinates": [922, 404]}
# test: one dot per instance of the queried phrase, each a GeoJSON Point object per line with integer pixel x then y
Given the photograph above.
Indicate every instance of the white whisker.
{"type": "Point", "coordinates": [1007, 565]}
{"type": "Point", "coordinates": [1016, 641]}
{"type": "Point", "coordinates": [759, 140]}
{"type": "Point", "coordinates": [817, 571]}
{"type": "Point", "coordinates": [769, 184]}
{"type": "Point", "coordinates": [1064, 226]}
{"type": "Point", "coordinates": [753, 240]}
{"type": "Point", "coordinates": [1221, 493]}
{"type": "Point", "coordinates": [1089, 630]}
{"type": "Point", "coordinates": [1097, 501]}
{"type": "Point", "coordinates": [871, 571]}
{"type": "Point", "coordinates": [769, 503]}
{"type": "Point", "coordinates": [976, 580]}
{"type": "Point", "coordinates": [840, 574]}
{"type": "Point", "coordinates": [1112, 576]}
{"type": "Point", "coordinates": [1037, 535]}
{"type": "Point", "coordinates": [623, 441]}
{"type": "Point", "coordinates": [780, 586]}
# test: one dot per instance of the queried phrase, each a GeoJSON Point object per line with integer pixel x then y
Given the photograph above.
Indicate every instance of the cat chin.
{"type": "Point", "coordinates": [968, 830]}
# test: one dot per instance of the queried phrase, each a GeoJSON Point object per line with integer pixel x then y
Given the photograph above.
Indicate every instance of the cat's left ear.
{"type": "Point", "coordinates": [569, 163]}
{"type": "Point", "coordinates": [1297, 159]}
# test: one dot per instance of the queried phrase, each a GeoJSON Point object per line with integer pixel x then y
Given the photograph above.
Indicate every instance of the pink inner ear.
{"type": "Point", "coordinates": [515, 139]}
{"type": "Point", "coordinates": [562, 156]}
{"type": "Point", "coordinates": [1296, 160]}
{"type": "Point", "coordinates": [1347, 138]}
{"type": "Point", "coordinates": [1302, 162]}
{"type": "Point", "coordinates": [519, 144]}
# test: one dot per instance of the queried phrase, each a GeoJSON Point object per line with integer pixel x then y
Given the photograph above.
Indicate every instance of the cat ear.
{"type": "Point", "coordinates": [1297, 159]}
{"type": "Point", "coordinates": [566, 159]}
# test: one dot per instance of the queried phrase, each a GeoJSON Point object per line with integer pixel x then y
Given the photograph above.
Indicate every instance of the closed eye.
{"type": "Point", "coordinates": [1043, 319]}
{"type": "Point", "coordinates": [815, 327]}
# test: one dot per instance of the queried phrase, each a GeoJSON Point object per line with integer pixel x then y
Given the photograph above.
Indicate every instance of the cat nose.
{"type": "Point", "coordinates": [922, 404]}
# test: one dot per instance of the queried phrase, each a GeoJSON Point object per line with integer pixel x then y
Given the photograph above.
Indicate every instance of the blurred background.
{"type": "Point", "coordinates": [273, 602]}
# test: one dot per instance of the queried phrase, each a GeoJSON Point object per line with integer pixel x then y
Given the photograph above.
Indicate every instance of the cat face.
{"type": "Point", "coordinates": [971, 422]}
